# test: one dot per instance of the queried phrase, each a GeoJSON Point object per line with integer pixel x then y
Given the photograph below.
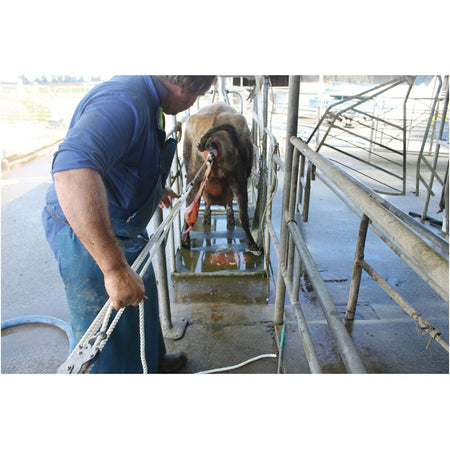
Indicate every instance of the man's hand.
{"type": "Point", "coordinates": [124, 287]}
{"type": "Point", "coordinates": [168, 195]}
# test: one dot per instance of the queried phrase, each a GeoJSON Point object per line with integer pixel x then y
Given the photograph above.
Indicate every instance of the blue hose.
{"type": "Point", "coordinates": [47, 320]}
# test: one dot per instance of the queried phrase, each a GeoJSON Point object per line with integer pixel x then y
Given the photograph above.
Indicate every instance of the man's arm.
{"type": "Point", "coordinates": [82, 196]}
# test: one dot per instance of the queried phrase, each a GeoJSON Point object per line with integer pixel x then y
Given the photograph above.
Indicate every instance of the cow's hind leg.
{"type": "Point", "coordinates": [230, 216]}
{"type": "Point", "coordinates": [207, 215]}
{"type": "Point", "coordinates": [242, 201]}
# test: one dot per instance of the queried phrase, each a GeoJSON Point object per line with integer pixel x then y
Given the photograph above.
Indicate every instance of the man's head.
{"type": "Point", "coordinates": [183, 90]}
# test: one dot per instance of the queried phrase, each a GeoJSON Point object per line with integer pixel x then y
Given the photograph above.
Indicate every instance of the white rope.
{"type": "Point", "coordinates": [237, 366]}
{"type": "Point", "coordinates": [142, 337]}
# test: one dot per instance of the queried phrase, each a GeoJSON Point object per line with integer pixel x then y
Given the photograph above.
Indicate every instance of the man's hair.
{"type": "Point", "coordinates": [194, 83]}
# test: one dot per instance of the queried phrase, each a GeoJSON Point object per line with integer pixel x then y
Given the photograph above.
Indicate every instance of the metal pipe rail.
{"type": "Point", "coordinates": [345, 345]}
{"type": "Point", "coordinates": [362, 143]}
{"type": "Point", "coordinates": [428, 263]}
{"type": "Point", "coordinates": [360, 99]}
{"type": "Point", "coordinates": [415, 225]}
{"type": "Point", "coordinates": [433, 266]}
{"type": "Point", "coordinates": [433, 114]}
{"type": "Point", "coordinates": [423, 326]}
{"type": "Point", "coordinates": [292, 289]}
{"type": "Point", "coordinates": [434, 174]}
{"type": "Point", "coordinates": [290, 243]}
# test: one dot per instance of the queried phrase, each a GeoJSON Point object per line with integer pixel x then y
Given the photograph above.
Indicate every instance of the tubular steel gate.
{"type": "Point", "coordinates": [424, 252]}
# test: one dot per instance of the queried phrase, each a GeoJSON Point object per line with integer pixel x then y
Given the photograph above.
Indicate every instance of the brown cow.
{"type": "Point", "coordinates": [220, 129]}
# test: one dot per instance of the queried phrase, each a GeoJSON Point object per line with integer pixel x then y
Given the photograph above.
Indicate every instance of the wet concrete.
{"type": "Point", "coordinates": [223, 334]}
{"type": "Point", "coordinates": [217, 267]}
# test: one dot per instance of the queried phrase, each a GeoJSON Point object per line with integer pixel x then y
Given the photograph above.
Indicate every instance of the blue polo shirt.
{"type": "Point", "coordinates": [114, 130]}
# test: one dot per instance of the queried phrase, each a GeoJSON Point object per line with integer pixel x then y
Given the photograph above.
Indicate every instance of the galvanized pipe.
{"type": "Point", "coordinates": [427, 130]}
{"type": "Point", "coordinates": [271, 174]}
{"type": "Point", "coordinates": [357, 269]}
{"type": "Point", "coordinates": [404, 135]}
{"type": "Point", "coordinates": [292, 123]}
{"type": "Point", "coordinates": [162, 282]}
{"type": "Point", "coordinates": [414, 224]}
{"type": "Point", "coordinates": [305, 335]}
{"type": "Point", "coordinates": [302, 326]}
{"type": "Point", "coordinates": [434, 267]}
{"type": "Point", "coordinates": [291, 210]}
{"type": "Point", "coordinates": [434, 174]}
{"type": "Point", "coordinates": [344, 343]}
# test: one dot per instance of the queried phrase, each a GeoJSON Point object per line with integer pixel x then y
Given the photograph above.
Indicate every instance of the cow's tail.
{"type": "Point", "coordinates": [224, 127]}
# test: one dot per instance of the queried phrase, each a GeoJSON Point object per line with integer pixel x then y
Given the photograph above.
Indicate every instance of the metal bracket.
{"type": "Point", "coordinates": [176, 331]}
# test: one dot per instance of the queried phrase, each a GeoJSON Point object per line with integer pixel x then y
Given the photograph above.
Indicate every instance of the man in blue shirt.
{"type": "Point", "coordinates": [108, 178]}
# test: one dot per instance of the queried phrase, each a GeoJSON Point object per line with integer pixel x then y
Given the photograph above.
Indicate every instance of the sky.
{"type": "Point", "coordinates": [283, 37]}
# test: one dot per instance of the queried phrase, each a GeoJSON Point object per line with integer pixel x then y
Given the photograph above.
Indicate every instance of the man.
{"type": "Point", "coordinates": [108, 178]}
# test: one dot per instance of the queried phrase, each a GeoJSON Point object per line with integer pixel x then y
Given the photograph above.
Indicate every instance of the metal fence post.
{"type": "Point", "coordinates": [169, 330]}
{"type": "Point", "coordinates": [357, 269]}
{"type": "Point", "coordinates": [292, 121]}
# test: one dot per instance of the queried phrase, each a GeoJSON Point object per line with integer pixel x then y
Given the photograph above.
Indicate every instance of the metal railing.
{"type": "Point", "coordinates": [362, 136]}
{"type": "Point", "coordinates": [424, 252]}
{"type": "Point", "coordinates": [427, 161]}
{"type": "Point", "coordinates": [289, 269]}
{"type": "Point", "coordinates": [427, 261]}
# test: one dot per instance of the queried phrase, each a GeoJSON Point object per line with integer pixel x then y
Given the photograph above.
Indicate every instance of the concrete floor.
{"type": "Point", "coordinates": [227, 329]}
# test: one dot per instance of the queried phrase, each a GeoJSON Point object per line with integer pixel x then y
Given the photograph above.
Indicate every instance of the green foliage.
{"type": "Point", "coordinates": [38, 111]}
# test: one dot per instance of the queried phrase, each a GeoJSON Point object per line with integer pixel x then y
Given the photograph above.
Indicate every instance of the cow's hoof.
{"type": "Point", "coordinates": [254, 250]}
{"type": "Point", "coordinates": [186, 242]}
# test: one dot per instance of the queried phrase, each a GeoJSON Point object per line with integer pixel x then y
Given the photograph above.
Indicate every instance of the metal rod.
{"type": "Point", "coordinates": [414, 224]}
{"type": "Point", "coordinates": [357, 269]}
{"type": "Point", "coordinates": [305, 335]}
{"type": "Point", "coordinates": [272, 174]}
{"type": "Point", "coordinates": [427, 130]}
{"type": "Point", "coordinates": [410, 82]}
{"type": "Point", "coordinates": [345, 345]}
{"type": "Point", "coordinates": [163, 284]}
{"type": "Point", "coordinates": [292, 123]}
{"type": "Point", "coordinates": [433, 174]}
{"type": "Point", "coordinates": [307, 191]}
{"type": "Point", "coordinates": [423, 323]}
{"type": "Point", "coordinates": [388, 85]}
{"type": "Point", "coordinates": [280, 355]}
{"type": "Point", "coordinates": [291, 212]}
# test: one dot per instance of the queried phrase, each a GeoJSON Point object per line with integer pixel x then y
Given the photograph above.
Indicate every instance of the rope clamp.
{"type": "Point", "coordinates": [81, 360]}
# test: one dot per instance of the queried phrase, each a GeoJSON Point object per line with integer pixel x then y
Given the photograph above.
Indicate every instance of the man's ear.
{"type": "Point", "coordinates": [181, 87]}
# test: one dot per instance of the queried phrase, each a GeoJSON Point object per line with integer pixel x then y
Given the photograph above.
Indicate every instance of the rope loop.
{"type": "Point", "coordinates": [422, 330]}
